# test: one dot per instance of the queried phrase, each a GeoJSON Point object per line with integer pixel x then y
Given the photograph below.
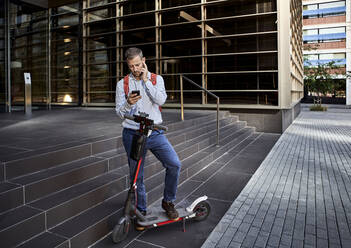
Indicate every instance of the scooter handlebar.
{"type": "Point", "coordinates": [129, 117]}
{"type": "Point", "coordinates": [154, 126]}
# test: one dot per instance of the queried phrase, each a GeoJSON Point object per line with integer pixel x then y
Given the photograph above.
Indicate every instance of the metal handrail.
{"type": "Point", "coordinates": [207, 91]}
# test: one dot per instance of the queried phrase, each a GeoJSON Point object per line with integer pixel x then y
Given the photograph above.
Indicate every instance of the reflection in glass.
{"type": "Point", "coordinates": [65, 54]}
{"type": "Point", "coordinates": [2, 59]}
{"type": "Point", "coordinates": [236, 51]}
{"type": "Point", "coordinates": [28, 51]}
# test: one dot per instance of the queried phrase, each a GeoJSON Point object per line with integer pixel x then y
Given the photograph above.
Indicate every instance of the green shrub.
{"type": "Point", "coordinates": [318, 108]}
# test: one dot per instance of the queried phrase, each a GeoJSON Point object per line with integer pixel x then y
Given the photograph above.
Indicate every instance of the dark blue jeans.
{"type": "Point", "coordinates": [159, 145]}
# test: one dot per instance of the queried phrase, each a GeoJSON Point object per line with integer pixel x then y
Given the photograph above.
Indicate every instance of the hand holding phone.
{"type": "Point", "coordinates": [133, 97]}
{"type": "Point", "coordinates": [137, 92]}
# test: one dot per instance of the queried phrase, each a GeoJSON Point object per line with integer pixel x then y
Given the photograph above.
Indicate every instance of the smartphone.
{"type": "Point", "coordinates": [136, 92]}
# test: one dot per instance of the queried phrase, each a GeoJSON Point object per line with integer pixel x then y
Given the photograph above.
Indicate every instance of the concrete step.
{"type": "Point", "coordinates": [45, 182]}
{"type": "Point", "coordinates": [185, 189]}
{"type": "Point", "coordinates": [80, 200]}
{"type": "Point", "coordinates": [31, 162]}
{"type": "Point", "coordinates": [11, 196]}
{"type": "Point", "coordinates": [71, 201]}
{"type": "Point", "coordinates": [67, 203]}
{"type": "Point", "coordinates": [20, 224]}
{"type": "Point", "coordinates": [199, 161]}
{"type": "Point", "coordinates": [105, 215]}
{"type": "Point", "coordinates": [187, 147]}
{"type": "Point", "coordinates": [47, 240]}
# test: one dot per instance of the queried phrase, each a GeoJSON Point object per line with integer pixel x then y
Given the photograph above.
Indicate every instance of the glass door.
{"type": "Point", "coordinates": [28, 29]}
{"type": "Point", "coordinates": [2, 59]}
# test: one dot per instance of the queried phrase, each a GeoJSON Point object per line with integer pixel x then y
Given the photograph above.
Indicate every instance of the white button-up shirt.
{"type": "Point", "coordinates": [152, 96]}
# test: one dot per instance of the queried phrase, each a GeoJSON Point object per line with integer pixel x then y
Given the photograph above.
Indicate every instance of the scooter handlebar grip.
{"type": "Point", "coordinates": [164, 128]}
{"type": "Point", "coordinates": [129, 117]}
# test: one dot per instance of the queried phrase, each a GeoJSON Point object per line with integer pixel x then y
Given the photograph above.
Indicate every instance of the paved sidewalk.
{"type": "Point", "coordinates": [300, 195]}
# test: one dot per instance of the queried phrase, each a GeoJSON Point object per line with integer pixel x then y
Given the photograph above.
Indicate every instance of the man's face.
{"type": "Point", "coordinates": [135, 64]}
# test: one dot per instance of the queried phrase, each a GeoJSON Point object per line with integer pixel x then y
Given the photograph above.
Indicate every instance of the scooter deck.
{"type": "Point", "coordinates": [159, 215]}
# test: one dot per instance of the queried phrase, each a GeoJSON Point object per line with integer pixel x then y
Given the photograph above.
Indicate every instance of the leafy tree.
{"type": "Point", "coordinates": [320, 78]}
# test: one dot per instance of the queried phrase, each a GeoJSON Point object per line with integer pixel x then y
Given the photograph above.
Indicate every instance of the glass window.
{"type": "Point", "coordinates": [137, 37]}
{"type": "Point", "coordinates": [138, 21]}
{"type": "Point", "coordinates": [332, 56]}
{"type": "Point", "coordinates": [100, 14]}
{"type": "Point", "coordinates": [136, 6]}
{"type": "Point", "coordinates": [232, 63]}
{"type": "Point", "coordinates": [268, 98]}
{"type": "Point", "coordinates": [181, 65]}
{"type": "Point", "coordinates": [332, 5]}
{"type": "Point", "coordinates": [2, 59]}
{"type": "Point", "coordinates": [232, 8]}
{"type": "Point", "coordinates": [172, 3]}
{"type": "Point", "coordinates": [310, 7]}
{"type": "Point", "coordinates": [332, 30]}
{"type": "Point", "coordinates": [311, 57]}
{"type": "Point", "coordinates": [93, 3]}
{"type": "Point", "coordinates": [268, 81]}
{"type": "Point", "coordinates": [184, 31]}
{"type": "Point", "coordinates": [192, 14]}
{"type": "Point", "coordinates": [28, 50]}
{"type": "Point", "coordinates": [70, 8]}
{"type": "Point", "coordinates": [266, 6]}
{"type": "Point", "coordinates": [245, 81]}
{"type": "Point", "coordinates": [180, 47]}
{"type": "Point", "coordinates": [234, 26]}
{"type": "Point", "coordinates": [310, 32]}
{"type": "Point", "coordinates": [236, 98]}
{"type": "Point", "coordinates": [65, 54]}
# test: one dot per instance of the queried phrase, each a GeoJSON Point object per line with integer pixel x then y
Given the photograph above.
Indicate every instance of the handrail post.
{"type": "Point", "coordinates": [208, 92]}
{"type": "Point", "coordinates": [217, 121]}
{"type": "Point", "coordinates": [181, 97]}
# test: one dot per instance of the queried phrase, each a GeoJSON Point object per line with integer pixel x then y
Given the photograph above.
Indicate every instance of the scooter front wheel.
{"type": "Point", "coordinates": [202, 210]}
{"type": "Point", "coordinates": [121, 230]}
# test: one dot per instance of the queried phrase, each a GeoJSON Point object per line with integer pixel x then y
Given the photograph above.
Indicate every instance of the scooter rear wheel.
{"type": "Point", "coordinates": [202, 210]}
{"type": "Point", "coordinates": [121, 230]}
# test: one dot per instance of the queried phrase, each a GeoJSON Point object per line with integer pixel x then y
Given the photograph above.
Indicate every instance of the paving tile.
{"type": "Point", "coordinates": [299, 193]}
{"type": "Point", "coordinates": [196, 232]}
{"type": "Point", "coordinates": [215, 187]}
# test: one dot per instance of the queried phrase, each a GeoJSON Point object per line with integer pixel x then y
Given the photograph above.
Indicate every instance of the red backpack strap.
{"type": "Point", "coordinates": [153, 78]}
{"type": "Point", "coordinates": [153, 81]}
{"type": "Point", "coordinates": [126, 85]}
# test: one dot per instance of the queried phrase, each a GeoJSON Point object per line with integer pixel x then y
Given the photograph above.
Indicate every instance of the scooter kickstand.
{"type": "Point", "coordinates": [183, 224]}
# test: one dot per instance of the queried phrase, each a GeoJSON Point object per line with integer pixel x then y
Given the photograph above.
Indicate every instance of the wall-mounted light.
{"type": "Point", "coordinates": [67, 40]}
{"type": "Point", "coordinates": [66, 26]}
{"type": "Point", "coordinates": [67, 53]}
{"type": "Point", "coordinates": [67, 98]}
{"type": "Point", "coordinates": [67, 66]}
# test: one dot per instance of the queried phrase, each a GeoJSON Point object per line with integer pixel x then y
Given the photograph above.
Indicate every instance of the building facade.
{"type": "Point", "coordinates": [326, 35]}
{"type": "Point", "coordinates": [248, 52]}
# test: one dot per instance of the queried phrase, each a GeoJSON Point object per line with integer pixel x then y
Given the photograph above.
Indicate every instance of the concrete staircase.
{"type": "Point", "coordinates": [73, 196]}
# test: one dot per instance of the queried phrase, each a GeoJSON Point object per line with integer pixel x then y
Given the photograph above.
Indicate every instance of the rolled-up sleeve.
{"type": "Point", "coordinates": [157, 93]}
{"type": "Point", "coordinates": [122, 106]}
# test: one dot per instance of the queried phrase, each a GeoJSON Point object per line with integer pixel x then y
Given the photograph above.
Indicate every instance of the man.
{"type": "Point", "coordinates": [152, 96]}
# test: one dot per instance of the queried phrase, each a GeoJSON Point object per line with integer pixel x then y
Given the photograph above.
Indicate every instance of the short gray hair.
{"type": "Point", "coordinates": [133, 52]}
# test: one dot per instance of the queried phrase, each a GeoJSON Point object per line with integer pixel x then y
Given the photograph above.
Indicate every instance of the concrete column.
{"type": "Point", "coordinates": [284, 36]}
{"type": "Point", "coordinates": [348, 50]}
{"type": "Point", "coordinates": [8, 57]}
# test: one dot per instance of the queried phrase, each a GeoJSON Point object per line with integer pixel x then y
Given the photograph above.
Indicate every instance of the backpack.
{"type": "Point", "coordinates": [126, 84]}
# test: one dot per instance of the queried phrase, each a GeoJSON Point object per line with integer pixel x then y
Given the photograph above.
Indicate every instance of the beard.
{"type": "Point", "coordinates": [136, 74]}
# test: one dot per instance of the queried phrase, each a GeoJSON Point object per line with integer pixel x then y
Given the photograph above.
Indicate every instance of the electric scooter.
{"type": "Point", "coordinates": [198, 210]}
